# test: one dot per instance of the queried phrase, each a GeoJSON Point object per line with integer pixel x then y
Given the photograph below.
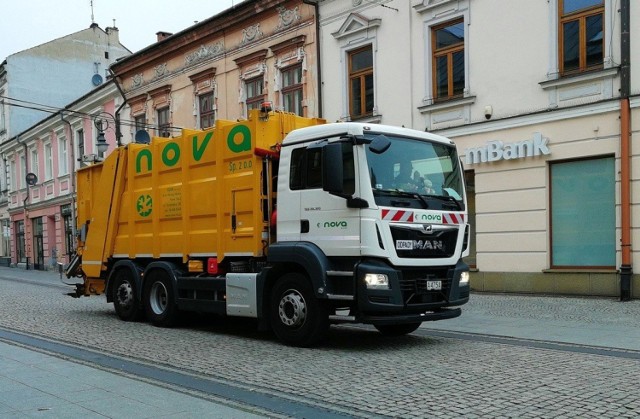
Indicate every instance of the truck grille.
{"type": "Point", "coordinates": [438, 242]}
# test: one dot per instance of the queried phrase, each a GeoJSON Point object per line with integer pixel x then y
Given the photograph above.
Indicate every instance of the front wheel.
{"type": "Point", "coordinates": [124, 298]}
{"type": "Point", "coordinates": [159, 296]}
{"type": "Point", "coordinates": [297, 317]}
{"type": "Point", "coordinates": [397, 329]}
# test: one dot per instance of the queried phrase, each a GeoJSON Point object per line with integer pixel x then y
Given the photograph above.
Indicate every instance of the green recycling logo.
{"type": "Point", "coordinates": [144, 205]}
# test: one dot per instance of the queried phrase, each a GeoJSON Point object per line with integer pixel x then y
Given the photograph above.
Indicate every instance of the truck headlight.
{"type": "Point", "coordinates": [376, 281]}
{"type": "Point", "coordinates": [464, 278]}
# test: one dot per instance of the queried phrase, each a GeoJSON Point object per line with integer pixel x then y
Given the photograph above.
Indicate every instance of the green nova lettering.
{"type": "Point", "coordinates": [334, 224]}
{"type": "Point", "coordinates": [428, 218]}
{"type": "Point", "coordinates": [171, 153]}
{"type": "Point", "coordinates": [245, 143]}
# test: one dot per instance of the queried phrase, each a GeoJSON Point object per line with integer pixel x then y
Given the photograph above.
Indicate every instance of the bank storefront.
{"type": "Point", "coordinates": [544, 202]}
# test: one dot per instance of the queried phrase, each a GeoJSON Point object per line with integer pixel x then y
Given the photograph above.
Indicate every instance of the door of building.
{"type": "Point", "coordinates": [38, 245]}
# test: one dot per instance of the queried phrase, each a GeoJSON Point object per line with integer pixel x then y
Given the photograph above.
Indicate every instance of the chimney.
{"type": "Point", "coordinates": [162, 35]}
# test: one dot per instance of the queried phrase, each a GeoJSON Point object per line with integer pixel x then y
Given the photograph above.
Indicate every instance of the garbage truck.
{"type": "Point", "coordinates": [291, 221]}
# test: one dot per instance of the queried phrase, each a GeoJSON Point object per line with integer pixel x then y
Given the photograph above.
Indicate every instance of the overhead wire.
{"type": "Point", "coordinates": [25, 104]}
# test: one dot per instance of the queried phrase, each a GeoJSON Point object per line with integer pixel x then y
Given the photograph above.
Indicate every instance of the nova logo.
{"type": "Point", "coordinates": [437, 218]}
{"type": "Point", "coordinates": [333, 224]}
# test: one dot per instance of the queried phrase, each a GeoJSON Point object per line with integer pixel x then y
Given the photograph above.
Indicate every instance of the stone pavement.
{"type": "Point", "coordinates": [35, 384]}
{"type": "Point", "coordinates": [594, 322]}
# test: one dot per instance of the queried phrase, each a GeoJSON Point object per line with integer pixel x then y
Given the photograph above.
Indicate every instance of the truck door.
{"type": "Point", "coordinates": [332, 226]}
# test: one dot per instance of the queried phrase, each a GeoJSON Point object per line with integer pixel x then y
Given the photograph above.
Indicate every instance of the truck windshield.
{"type": "Point", "coordinates": [416, 173]}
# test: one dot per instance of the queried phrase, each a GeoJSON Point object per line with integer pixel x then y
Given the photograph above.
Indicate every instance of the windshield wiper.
{"type": "Point", "coordinates": [445, 198]}
{"type": "Point", "coordinates": [398, 192]}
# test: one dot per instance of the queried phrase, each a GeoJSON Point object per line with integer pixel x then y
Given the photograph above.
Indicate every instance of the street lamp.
{"type": "Point", "coordinates": [101, 124]}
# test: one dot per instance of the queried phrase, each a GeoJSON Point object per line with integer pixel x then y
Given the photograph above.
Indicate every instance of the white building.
{"type": "Point", "coordinates": [535, 95]}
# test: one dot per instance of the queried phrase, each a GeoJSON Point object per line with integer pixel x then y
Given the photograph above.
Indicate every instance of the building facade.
{"type": "Point", "coordinates": [543, 107]}
{"type": "Point", "coordinates": [255, 51]}
{"type": "Point", "coordinates": [42, 161]}
{"type": "Point", "coordinates": [39, 81]}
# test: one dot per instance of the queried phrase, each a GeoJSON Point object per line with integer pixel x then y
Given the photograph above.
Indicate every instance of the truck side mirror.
{"type": "Point", "coordinates": [332, 169]}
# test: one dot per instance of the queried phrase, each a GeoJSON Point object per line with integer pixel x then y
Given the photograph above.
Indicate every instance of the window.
{"type": "Point", "coordinates": [63, 158]}
{"type": "Point", "coordinates": [448, 60]}
{"type": "Point", "coordinates": [583, 213]}
{"type": "Point", "coordinates": [581, 34]}
{"type": "Point", "coordinates": [21, 255]}
{"type": "Point", "coordinates": [48, 162]}
{"type": "Point", "coordinates": [254, 91]}
{"type": "Point", "coordinates": [207, 113]}
{"type": "Point", "coordinates": [361, 98]}
{"type": "Point", "coordinates": [140, 122]}
{"type": "Point", "coordinates": [306, 168]}
{"type": "Point", "coordinates": [23, 171]}
{"type": "Point", "coordinates": [163, 123]}
{"type": "Point", "coordinates": [2, 123]}
{"type": "Point", "coordinates": [292, 89]}
{"type": "Point", "coordinates": [12, 172]}
{"type": "Point", "coordinates": [80, 142]}
{"type": "Point", "coordinates": [35, 168]}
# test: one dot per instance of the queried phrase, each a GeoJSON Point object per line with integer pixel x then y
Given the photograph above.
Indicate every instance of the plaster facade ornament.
{"type": "Point", "coordinates": [357, 3]}
{"type": "Point", "coordinates": [137, 80]}
{"type": "Point", "coordinates": [251, 33]}
{"type": "Point", "coordinates": [287, 17]}
{"type": "Point", "coordinates": [204, 52]}
{"type": "Point", "coordinates": [161, 70]}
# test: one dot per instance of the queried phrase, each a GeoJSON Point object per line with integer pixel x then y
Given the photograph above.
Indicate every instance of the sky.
{"type": "Point", "coordinates": [27, 23]}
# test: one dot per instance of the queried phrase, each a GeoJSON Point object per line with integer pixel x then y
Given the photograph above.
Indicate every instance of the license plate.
{"type": "Point", "coordinates": [434, 285]}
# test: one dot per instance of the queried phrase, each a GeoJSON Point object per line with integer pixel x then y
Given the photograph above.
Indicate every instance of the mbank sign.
{"type": "Point", "coordinates": [497, 150]}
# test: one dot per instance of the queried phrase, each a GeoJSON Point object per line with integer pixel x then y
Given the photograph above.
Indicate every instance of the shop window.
{"type": "Point", "coordinates": [206, 110]}
{"type": "Point", "coordinates": [583, 214]}
{"type": "Point", "coordinates": [448, 60]}
{"type": "Point", "coordinates": [292, 89]}
{"type": "Point", "coordinates": [254, 91]}
{"type": "Point", "coordinates": [361, 94]}
{"type": "Point", "coordinates": [581, 35]}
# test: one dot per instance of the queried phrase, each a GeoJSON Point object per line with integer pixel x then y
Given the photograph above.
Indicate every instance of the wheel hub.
{"type": "Point", "coordinates": [292, 309]}
{"type": "Point", "coordinates": [159, 298]}
{"type": "Point", "coordinates": [124, 294]}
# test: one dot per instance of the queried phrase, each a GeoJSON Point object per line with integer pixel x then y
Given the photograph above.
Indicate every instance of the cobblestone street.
{"type": "Point", "coordinates": [357, 371]}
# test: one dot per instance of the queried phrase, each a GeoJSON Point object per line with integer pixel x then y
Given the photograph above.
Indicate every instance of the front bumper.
{"type": "Point", "coordinates": [408, 298]}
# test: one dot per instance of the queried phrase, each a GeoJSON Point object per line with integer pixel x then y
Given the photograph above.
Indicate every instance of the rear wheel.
{"type": "Point", "coordinates": [125, 302]}
{"type": "Point", "coordinates": [159, 299]}
{"type": "Point", "coordinates": [297, 317]}
{"type": "Point", "coordinates": [397, 329]}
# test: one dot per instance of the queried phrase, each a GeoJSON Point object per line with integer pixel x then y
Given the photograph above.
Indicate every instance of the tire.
{"type": "Point", "coordinates": [297, 317]}
{"type": "Point", "coordinates": [397, 329]}
{"type": "Point", "coordinates": [125, 302]}
{"type": "Point", "coordinates": [159, 298]}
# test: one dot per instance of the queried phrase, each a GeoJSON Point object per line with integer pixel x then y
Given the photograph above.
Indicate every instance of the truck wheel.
{"type": "Point", "coordinates": [124, 297]}
{"type": "Point", "coordinates": [160, 305]}
{"type": "Point", "coordinates": [297, 317]}
{"type": "Point", "coordinates": [397, 329]}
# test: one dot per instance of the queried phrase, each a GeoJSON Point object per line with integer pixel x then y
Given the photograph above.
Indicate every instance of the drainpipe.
{"type": "Point", "coordinates": [72, 168]}
{"type": "Point", "coordinates": [24, 201]}
{"type": "Point", "coordinates": [626, 270]}
{"type": "Point", "coordinates": [117, 116]}
{"type": "Point", "coordinates": [318, 52]}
